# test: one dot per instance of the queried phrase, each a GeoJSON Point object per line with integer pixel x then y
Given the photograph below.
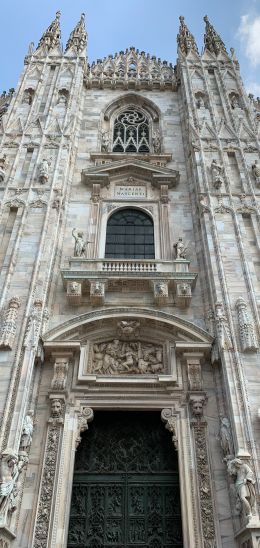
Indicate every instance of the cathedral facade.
{"type": "Point", "coordinates": [130, 292]}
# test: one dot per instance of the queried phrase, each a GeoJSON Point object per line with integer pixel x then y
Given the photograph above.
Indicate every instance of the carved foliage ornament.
{"type": "Point", "coordinates": [59, 380]}
{"type": "Point", "coordinates": [246, 328]}
{"type": "Point", "coordinates": [126, 358]}
{"type": "Point", "coordinates": [170, 420]}
{"type": "Point", "coordinates": [9, 325]}
{"type": "Point", "coordinates": [49, 470]}
{"type": "Point", "coordinates": [205, 491]}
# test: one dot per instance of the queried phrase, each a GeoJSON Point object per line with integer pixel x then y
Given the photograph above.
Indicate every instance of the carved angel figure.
{"type": "Point", "coordinates": [27, 431]}
{"type": "Point", "coordinates": [244, 484]}
{"type": "Point", "coordinates": [256, 172]}
{"type": "Point", "coordinates": [216, 171]}
{"type": "Point", "coordinates": [128, 328]}
{"type": "Point", "coordinates": [180, 249]}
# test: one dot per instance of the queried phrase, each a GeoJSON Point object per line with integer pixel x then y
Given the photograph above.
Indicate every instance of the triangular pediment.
{"type": "Point", "coordinates": [15, 127]}
{"type": "Point", "coordinates": [132, 167]}
{"type": "Point", "coordinates": [245, 133]}
{"type": "Point", "coordinates": [206, 131]}
{"type": "Point", "coordinates": [225, 131]}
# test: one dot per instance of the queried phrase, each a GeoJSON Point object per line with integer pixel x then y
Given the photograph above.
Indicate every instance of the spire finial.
{"type": "Point", "coordinates": [185, 39]}
{"type": "Point", "coordinates": [51, 37]}
{"type": "Point", "coordinates": [212, 40]}
{"type": "Point", "coordinates": [78, 37]}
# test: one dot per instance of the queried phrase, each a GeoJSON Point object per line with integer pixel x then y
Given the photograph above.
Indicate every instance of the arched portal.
{"type": "Point", "coordinates": [130, 234]}
{"type": "Point", "coordinates": [126, 484]}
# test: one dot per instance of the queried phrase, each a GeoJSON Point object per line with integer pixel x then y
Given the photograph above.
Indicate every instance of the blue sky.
{"type": "Point", "coordinates": [113, 25]}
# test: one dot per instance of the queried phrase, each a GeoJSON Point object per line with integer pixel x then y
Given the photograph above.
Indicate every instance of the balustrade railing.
{"type": "Point", "coordinates": [129, 266]}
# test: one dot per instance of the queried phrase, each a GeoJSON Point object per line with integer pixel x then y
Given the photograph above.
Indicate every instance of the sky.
{"type": "Point", "coordinates": [114, 25]}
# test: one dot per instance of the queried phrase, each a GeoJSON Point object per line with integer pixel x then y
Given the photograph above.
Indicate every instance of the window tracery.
{"type": "Point", "coordinates": [131, 132]}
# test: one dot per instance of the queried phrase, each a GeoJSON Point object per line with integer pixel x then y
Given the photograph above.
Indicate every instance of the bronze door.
{"type": "Point", "coordinates": [125, 488]}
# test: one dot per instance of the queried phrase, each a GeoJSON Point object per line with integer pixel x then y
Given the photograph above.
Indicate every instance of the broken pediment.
{"type": "Point", "coordinates": [132, 167]}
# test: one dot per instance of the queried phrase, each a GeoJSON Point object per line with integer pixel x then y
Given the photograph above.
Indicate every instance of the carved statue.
{"type": "Point", "coordinates": [225, 437]}
{"type": "Point", "coordinates": [216, 171]}
{"type": "Point", "coordinates": [234, 101]}
{"type": "Point", "coordinates": [80, 244]}
{"type": "Point", "coordinates": [244, 484]}
{"type": "Point", "coordinates": [63, 97]}
{"type": "Point", "coordinates": [3, 166]}
{"type": "Point", "coordinates": [44, 171]}
{"type": "Point", "coordinates": [28, 96]}
{"type": "Point", "coordinates": [10, 469]}
{"type": "Point", "coordinates": [104, 141]}
{"type": "Point", "coordinates": [157, 141]}
{"type": "Point", "coordinates": [256, 172]}
{"type": "Point", "coordinates": [27, 432]}
{"type": "Point", "coordinates": [180, 249]}
{"type": "Point", "coordinates": [125, 357]}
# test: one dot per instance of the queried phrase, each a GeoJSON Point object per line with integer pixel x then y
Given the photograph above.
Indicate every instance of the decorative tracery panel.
{"type": "Point", "coordinates": [131, 132]}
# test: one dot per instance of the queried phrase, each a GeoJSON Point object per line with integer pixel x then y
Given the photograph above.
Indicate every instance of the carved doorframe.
{"type": "Point", "coordinates": [188, 435]}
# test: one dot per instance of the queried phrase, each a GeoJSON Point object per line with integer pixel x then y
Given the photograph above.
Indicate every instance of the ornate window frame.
{"type": "Point", "coordinates": [118, 106]}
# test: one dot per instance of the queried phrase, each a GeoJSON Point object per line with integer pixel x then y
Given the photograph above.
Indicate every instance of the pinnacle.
{"type": "Point", "coordinates": [78, 37]}
{"type": "Point", "coordinates": [213, 42]}
{"type": "Point", "coordinates": [185, 39]}
{"type": "Point", "coordinates": [51, 37]}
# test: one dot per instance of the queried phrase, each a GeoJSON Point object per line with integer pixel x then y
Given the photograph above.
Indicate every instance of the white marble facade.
{"type": "Point", "coordinates": [178, 333]}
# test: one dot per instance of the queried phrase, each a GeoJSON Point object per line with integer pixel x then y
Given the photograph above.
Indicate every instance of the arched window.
{"type": "Point", "coordinates": [130, 235]}
{"type": "Point", "coordinates": [131, 132]}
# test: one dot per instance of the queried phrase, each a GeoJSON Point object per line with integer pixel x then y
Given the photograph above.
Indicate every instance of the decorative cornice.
{"type": "Point", "coordinates": [133, 69]}
{"type": "Point", "coordinates": [154, 174]}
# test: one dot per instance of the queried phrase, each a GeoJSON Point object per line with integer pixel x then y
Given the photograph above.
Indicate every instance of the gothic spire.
{"type": "Point", "coordinates": [212, 40]}
{"type": "Point", "coordinates": [51, 37]}
{"type": "Point", "coordinates": [78, 37]}
{"type": "Point", "coordinates": [185, 39]}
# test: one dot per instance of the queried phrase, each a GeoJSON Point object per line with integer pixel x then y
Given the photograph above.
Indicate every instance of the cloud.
{"type": "Point", "coordinates": [249, 34]}
{"type": "Point", "coordinates": [253, 87]}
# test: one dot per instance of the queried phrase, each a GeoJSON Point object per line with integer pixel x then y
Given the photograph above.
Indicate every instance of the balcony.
{"type": "Point", "coordinates": [97, 277]}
